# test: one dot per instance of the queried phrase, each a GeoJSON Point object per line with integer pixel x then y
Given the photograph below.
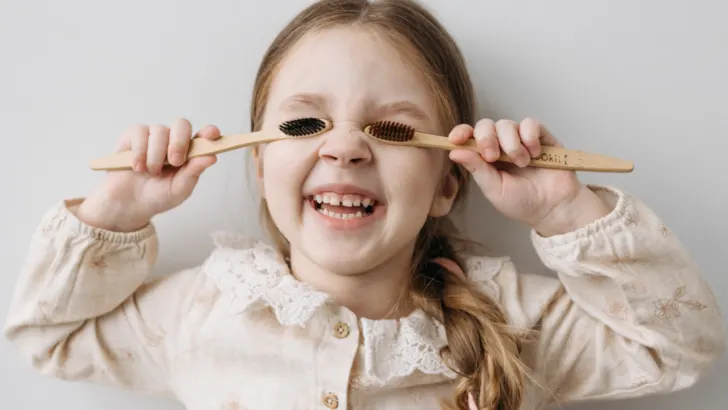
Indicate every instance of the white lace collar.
{"type": "Point", "coordinates": [252, 274]}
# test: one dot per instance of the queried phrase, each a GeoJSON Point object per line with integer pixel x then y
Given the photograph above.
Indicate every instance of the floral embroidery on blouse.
{"type": "Point", "coordinates": [617, 310]}
{"type": "Point", "coordinates": [360, 382]}
{"type": "Point", "coordinates": [670, 308]}
{"type": "Point", "coordinates": [98, 263]}
{"type": "Point", "coordinates": [636, 288]}
{"type": "Point", "coordinates": [232, 404]}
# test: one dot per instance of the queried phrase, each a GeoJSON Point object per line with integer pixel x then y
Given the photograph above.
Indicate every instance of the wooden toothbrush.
{"type": "Point", "coordinates": [298, 128]}
{"type": "Point", "coordinates": [396, 133]}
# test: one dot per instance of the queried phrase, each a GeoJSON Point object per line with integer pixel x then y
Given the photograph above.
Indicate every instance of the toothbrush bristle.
{"type": "Point", "coordinates": [302, 127]}
{"type": "Point", "coordinates": [391, 131]}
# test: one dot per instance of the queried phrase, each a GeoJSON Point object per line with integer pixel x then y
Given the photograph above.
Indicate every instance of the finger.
{"type": "Point", "coordinates": [484, 174]}
{"type": "Point", "coordinates": [179, 142]}
{"type": "Point", "coordinates": [510, 142]}
{"type": "Point", "coordinates": [124, 141]}
{"type": "Point", "coordinates": [209, 132]}
{"type": "Point", "coordinates": [487, 139]}
{"type": "Point", "coordinates": [139, 137]}
{"type": "Point", "coordinates": [157, 150]}
{"type": "Point", "coordinates": [530, 132]}
{"type": "Point", "coordinates": [548, 139]}
{"type": "Point", "coordinates": [185, 180]}
{"type": "Point", "coordinates": [460, 134]}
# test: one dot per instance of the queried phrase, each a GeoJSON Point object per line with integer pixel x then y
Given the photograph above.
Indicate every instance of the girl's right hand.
{"type": "Point", "coordinates": [127, 200]}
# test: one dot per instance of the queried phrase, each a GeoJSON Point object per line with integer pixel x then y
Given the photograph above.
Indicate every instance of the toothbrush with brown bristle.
{"type": "Point", "coordinates": [396, 133]}
{"type": "Point", "coordinates": [292, 129]}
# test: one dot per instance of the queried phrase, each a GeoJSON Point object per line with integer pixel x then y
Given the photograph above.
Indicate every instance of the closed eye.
{"type": "Point", "coordinates": [304, 101]}
{"type": "Point", "coordinates": [404, 109]}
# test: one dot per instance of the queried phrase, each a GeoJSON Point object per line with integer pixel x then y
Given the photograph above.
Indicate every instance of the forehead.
{"type": "Point", "coordinates": [351, 68]}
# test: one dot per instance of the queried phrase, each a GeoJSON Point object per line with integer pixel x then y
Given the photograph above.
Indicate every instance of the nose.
{"type": "Point", "coordinates": [346, 147]}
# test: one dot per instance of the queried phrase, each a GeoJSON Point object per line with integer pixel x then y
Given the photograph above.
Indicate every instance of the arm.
{"type": "Point", "coordinates": [631, 314]}
{"type": "Point", "coordinates": [82, 310]}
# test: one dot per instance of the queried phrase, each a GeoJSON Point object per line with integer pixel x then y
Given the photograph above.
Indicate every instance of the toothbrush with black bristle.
{"type": "Point", "coordinates": [291, 129]}
{"type": "Point", "coordinates": [396, 133]}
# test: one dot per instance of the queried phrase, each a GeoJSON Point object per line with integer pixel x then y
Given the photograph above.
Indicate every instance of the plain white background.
{"type": "Point", "coordinates": [643, 80]}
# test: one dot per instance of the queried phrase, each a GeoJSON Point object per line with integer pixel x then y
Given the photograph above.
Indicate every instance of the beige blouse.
{"type": "Point", "coordinates": [629, 315]}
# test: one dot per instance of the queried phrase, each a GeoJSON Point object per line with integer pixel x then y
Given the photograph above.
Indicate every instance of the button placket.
{"type": "Point", "coordinates": [339, 346]}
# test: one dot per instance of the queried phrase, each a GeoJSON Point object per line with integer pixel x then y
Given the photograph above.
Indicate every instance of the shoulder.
{"type": "Point", "coordinates": [236, 270]}
{"type": "Point", "coordinates": [523, 296]}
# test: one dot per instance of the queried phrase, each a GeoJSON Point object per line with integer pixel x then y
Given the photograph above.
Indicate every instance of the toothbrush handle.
{"type": "Point", "coordinates": [198, 146]}
{"type": "Point", "coordinates": [551, 157]}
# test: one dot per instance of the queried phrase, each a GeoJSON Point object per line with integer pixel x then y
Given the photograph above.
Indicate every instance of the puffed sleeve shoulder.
{"type": "Point", "coordinates": [629, 313]}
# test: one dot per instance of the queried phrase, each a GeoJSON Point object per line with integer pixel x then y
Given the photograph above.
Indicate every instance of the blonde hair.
{"type": "Point", "coordinates": [482, 348]}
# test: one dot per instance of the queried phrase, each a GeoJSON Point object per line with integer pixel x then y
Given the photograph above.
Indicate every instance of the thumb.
{"type": "Point", "coordinates": [484, 174]}
{"type": "Point", "coordinates": [186, 178]}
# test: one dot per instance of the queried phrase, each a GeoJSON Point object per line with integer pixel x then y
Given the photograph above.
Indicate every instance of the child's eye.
{"type": "Point", "coordinates": [294, 111]}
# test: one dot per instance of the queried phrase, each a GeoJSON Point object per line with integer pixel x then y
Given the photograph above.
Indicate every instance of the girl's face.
{"type": "Point", "coordinates": [346, 202]}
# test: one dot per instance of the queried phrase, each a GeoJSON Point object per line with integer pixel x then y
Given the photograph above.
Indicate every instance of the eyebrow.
{"type": "Point", "coordinates": [320, 102]}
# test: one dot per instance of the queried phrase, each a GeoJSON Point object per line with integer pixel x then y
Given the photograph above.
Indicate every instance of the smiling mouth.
{"type": "Point", "coordinates": [343, 206]}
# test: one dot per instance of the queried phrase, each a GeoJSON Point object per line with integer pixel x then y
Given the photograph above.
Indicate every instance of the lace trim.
{"type": "Point", "coordinates": [252, 274]}
{"type": "Point", "coordinates": [398, 348]}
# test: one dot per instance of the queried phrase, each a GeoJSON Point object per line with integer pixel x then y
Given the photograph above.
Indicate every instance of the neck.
{"type": "Point", "coordinates": [374, 294]}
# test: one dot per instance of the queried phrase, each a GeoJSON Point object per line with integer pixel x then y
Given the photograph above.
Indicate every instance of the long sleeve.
{"type": "Point", "coordinates": [630, 314]}
{"type": "Point", "coordinates": [84, 310]}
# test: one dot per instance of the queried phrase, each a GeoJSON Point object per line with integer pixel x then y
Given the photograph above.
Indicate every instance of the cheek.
{"type": "Point", "coordinates": [412, 183]}
{"type": "Point", "coordinates": [284, 166]}
{"type": "Point", "coordinates": [416, 174]}
{"type": "Point", "coordinates": [283, 174]}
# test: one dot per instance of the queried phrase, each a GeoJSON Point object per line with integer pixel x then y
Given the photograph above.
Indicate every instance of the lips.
{"type": "Point", "coordinates": [344, 206]}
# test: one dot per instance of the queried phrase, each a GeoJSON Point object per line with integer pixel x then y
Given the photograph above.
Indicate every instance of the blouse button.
{"type": "Point", "coordinates": [331, 401]}
{"type": "Point", "coordinates": [341, 330]}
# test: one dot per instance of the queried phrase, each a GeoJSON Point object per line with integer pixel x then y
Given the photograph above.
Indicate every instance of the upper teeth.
{"type": "Point", "coordinates": [345, 200]}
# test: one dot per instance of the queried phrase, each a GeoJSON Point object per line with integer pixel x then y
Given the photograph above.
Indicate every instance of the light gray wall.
{"type": "Point", "coordinates": [643, 80]}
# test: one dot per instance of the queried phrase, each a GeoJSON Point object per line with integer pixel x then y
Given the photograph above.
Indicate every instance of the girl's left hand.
{"type": "Point", "coordinates": [550, 201]}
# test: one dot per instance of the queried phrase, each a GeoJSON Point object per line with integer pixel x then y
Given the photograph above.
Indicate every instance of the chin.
{"type": "Point", "coordinates": [342, 258]}
{"type": "Point", "coordinates": [352, 246]}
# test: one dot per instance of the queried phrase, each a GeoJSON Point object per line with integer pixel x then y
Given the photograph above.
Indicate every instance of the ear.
{"type": "Point", "coordinates": [445, 196]}
{"type": "Point", "coordinates": [258, 162]}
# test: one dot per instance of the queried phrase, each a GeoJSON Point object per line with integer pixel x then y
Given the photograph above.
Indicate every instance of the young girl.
{"type": "Point", "coordinates": [369, 299]}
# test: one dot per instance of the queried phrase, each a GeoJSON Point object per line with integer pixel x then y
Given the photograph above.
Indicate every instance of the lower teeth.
{"type": "Point", "coordinates": [341, 216]}
{"type": "Point", "coordinates": [363, 212]}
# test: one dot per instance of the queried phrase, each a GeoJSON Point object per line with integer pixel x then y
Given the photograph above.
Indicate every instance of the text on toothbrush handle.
{"type": "Point", "coordinates": [553, 158]}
